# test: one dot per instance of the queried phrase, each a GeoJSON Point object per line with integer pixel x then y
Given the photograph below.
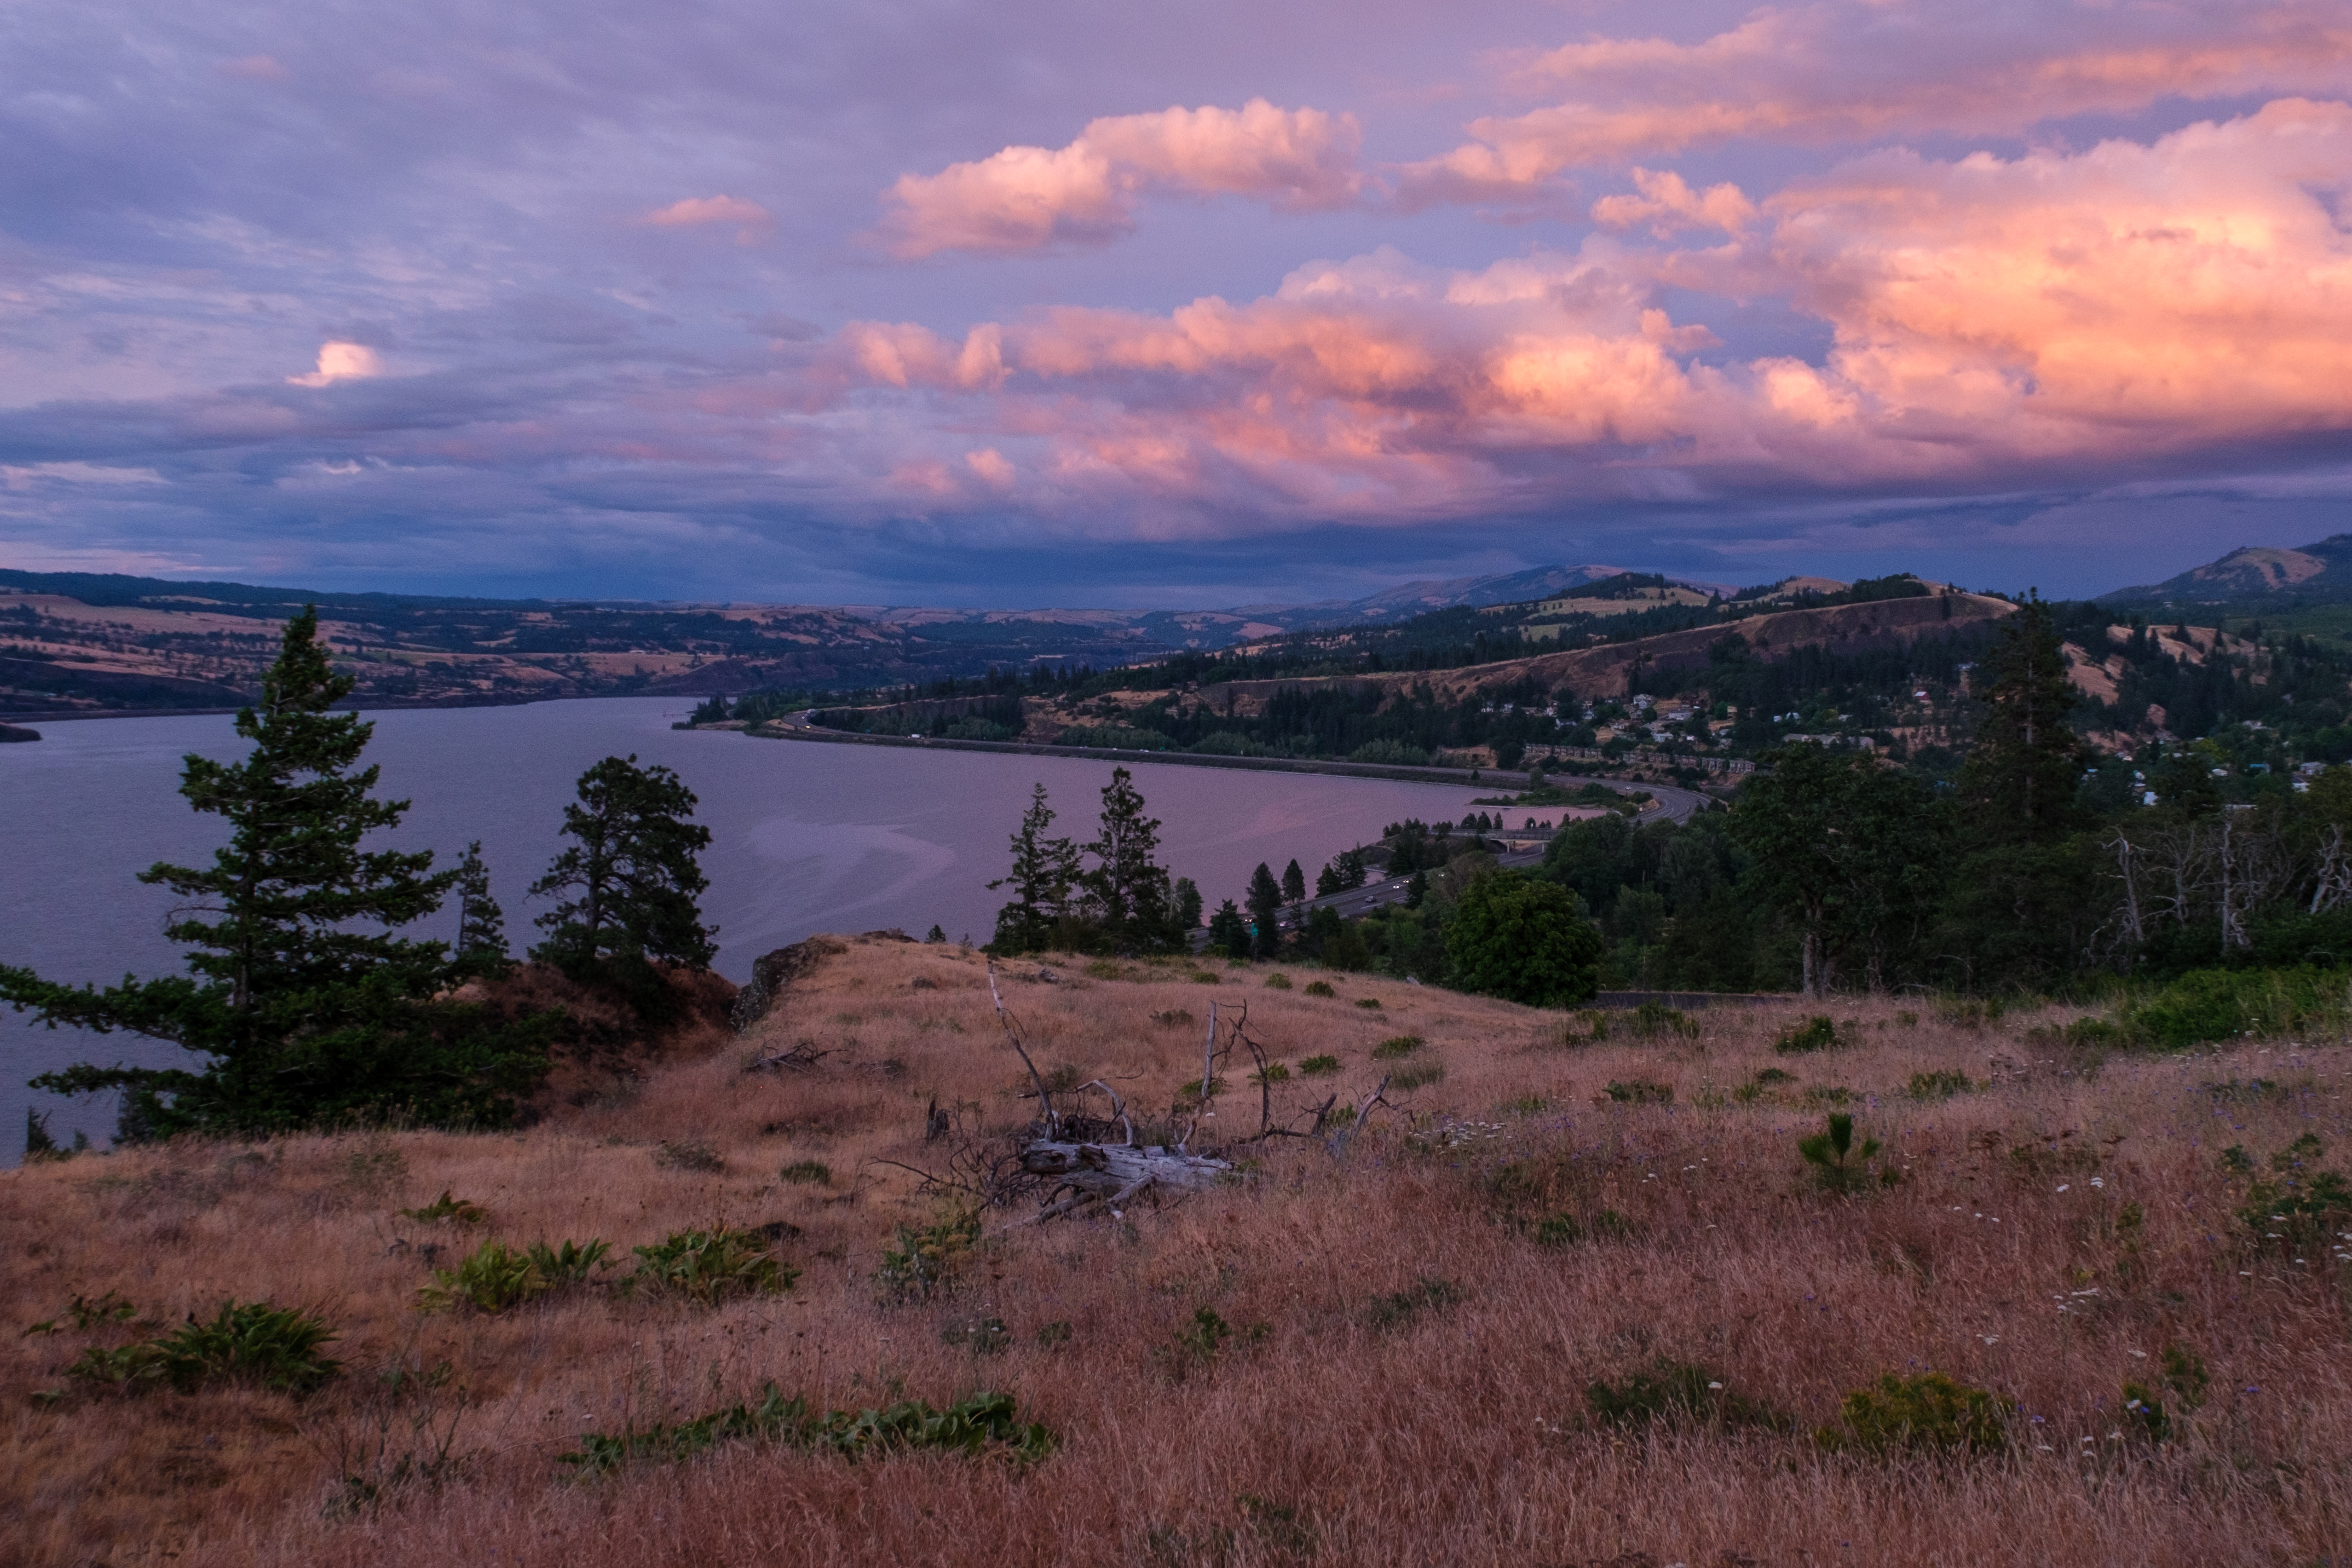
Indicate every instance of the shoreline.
{"type": "Point", "coordinates": [1672, 802]}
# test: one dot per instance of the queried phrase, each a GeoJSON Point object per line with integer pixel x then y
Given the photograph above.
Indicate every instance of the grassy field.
{"type": "Point", "coordinates": [1384, 1356]}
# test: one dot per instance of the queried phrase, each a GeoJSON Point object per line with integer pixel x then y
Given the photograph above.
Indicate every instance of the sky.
{"type": "Point", "coordinates": [1232, 301]}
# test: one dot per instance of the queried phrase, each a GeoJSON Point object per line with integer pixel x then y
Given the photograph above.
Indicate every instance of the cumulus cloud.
{"type": "Point", "coordinates": [1992, 319]}
{"type": "Point", "coordinates": [1864, 70]}
{"type": "Point", "coordinates": [1031, 199]}
{"type": "Point", "coordinates": [1666, 205]}
{"type": "Point", "coordinates": [340, 361]}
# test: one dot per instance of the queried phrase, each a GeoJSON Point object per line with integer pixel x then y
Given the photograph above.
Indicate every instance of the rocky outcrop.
{"type": "Point", "coordinates": [9, 732]}
{"type": "Point", "coordinates": [771, 974]}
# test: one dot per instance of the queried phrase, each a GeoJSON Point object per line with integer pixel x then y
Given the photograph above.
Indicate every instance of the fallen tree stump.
{"type": "Point", "coordinates": [1112, 1173]}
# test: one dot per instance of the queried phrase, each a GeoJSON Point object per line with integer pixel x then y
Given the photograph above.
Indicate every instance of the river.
{"type": "Point", "coordinates": [804, 838]}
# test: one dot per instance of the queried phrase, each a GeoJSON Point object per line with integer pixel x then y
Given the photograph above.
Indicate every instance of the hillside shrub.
{"type": "Point", "coordinates": [1396, 1046]}
{"type": "Point", "coordinates": [980, 1423]}
{"type": "Point", "coordinates": [1640, 1091]}
{"type": "Point", "coordinates": [1927, 1412]}
{"type": "Point", "coordinates": [1320, 988]}
{"type": "Point", "coordinates": [1679, 1394]}
{"type": "Point", "coordinates": [490, 1279]}
{"type": "Point", "coordinates": [926, 1261]}
{"type": "Point", "coordinates": [707, 1266]}
{"type": "Point", "coordinates": [2208, 1004]}
{"type": "Point", "coordinates": [1318, 1067]}
{"type": "Point", "coordinates": [246, 1341]}
{"type": "Point", "coordinates": [1818, 1033]}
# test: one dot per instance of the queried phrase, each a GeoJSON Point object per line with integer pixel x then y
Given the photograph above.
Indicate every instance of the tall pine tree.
{"type": "Point", "coordinates": [635, 884]}
{"type": "Point", "coordinates": [1044, 872]}
{"type": "Point", "coordinates": [301, 1000]}
{"type": "Point", "coordinates": [1128, 899]}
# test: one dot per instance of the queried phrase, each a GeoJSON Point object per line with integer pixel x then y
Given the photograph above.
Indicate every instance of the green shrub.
{"type": "Point", "coordinates": [2302, 1208]}
{"type": "Point", "coordinates": [807, 1172]}
{"type": "Point", "coordinates": [1396, 1046]}
{"type": "Point", "coordinates": [1369, 1003]}
{"type": "Point", "coordinates": [1837, 1164]}
{"type": "Point", "coordinates": [926, 1261]}
{"type": "Point", "coordinates": [1195, 1348]}
{"type": "Point", "coordinates": [490, 1279]}
{"type": "Point", "coordinates": [1640, 1091]}
{"type": "Point", "coordinates": [2184, 1378]}
{"type": "Point", "coordinates": [247, 1342]}
{"type": "Point", "coordinates": [1318, 1067]}
{"type": "Point", "coordinates": [1395, 1311]}
{"type": "Point", "coordinates": [1775, 1074]}
{"type": "Point", "coordinates": [1420, 1076]}
{"type": "Point", "coordinates": [446, 1207]}
{"type": "Point", "coordinates": [2206, 1004]}
{"type": "Point", "coordinates": [1941, 1085]}
{"type": "Point", "coordinates": [1277, 981]}
{"type": "Point", "coordinates": [1818, 1033]}
{"type": "Point", "coordinates": [1679, 1394]}
{"type": "Point", "coordinates": [1276, 1072]}
{"type": "Point", "coordinates": [708, 1266]}
{"type": "Point", "coordinates": [983, 1423]}
{"type": "Point", "coordinates": [1320, 988]}
{"type": "Point", "coordinates": [1928, 1412]}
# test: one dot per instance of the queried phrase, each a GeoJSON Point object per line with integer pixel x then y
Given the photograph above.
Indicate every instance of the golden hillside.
{"type": "Point", "coordinates": [1399, 1340]}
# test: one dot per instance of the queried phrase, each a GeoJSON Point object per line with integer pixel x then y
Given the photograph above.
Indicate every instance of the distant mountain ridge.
{"type": "Point", "coordinates": [2309, 573]}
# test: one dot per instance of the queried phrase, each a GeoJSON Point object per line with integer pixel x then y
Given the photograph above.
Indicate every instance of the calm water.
{"type": "Point", "coordinates": [805, 838]}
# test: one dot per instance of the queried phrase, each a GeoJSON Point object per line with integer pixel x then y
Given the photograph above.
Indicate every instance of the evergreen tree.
{"type": "Point", "coordinates": [304, 1004]}
{"type": "Point", "coordinates": [2018, 782]}
{"type": "Point", "coordinates": [1293, 884]}
{"type": "Point", "coordinates": [481, 925]}
{"type": "Point", "coordinates": [1045, 874]}
{"type": "Point", "coordinates": [1128, 900]}
{"type": "Point", "coordinates": [1188, 906]}
{"type": "Point", "coordinates": [631, 872]}
{"type": "Point", "coordinates": [1265, 897]}
{"type": "Point", "coordinates": [1229, 932]}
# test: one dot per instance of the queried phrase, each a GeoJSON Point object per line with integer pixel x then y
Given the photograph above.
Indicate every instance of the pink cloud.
{"type": "Point", "coordinates": [693, 212]}
{"type": "Point", "coordinates": [340, 361]}
{"type": "Point", "coordinates": [1667, 205]}
{"type": "Point", "coordinates": [255, 68]}
{"type": "Point", "coordinates": [1992, 320]}
{"type": "Point", "coordinates": [1859, 69]}
{"type": "Point", "coordinates": [1031, 199]}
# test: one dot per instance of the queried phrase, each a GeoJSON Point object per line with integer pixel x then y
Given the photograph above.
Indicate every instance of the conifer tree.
{"type": "Point", "coordinates": [1128, 899]}
{"type": "Point", "coordinates": [1229, 932]}
{"type": "Point", "coordinates": [1045, 873]}
{"type": "Point", "coordinates": [303, 1003]}
{"type": "Point", "coordinates": [481, 925]}
{"type": "Point", "coordinates": [1188, 906]}
{"type": "Point", "coordinates": [1293, 884]}
{"type": "Point", "coordinates": [2018, 782]}
{"type": "Point", "coordinates": [1265, 897]}
{"type": "Point", "coordinates": [631, 872]}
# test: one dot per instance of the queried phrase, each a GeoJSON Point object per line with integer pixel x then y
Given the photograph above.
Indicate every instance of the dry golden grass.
{"type": "Point", "coordinates": [1334, 1432]}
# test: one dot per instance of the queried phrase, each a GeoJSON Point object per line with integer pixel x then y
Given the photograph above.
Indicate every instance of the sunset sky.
{"type": "Point", "coordinates": [1201, 304]}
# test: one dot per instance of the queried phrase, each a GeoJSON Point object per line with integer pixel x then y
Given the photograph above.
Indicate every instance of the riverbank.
{"type": "Point", "coordinates": [1672, 803]}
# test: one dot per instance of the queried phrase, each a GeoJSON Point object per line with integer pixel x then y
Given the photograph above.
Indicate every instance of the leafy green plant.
{"type": "Point", "coordinates": [1369, 1003]}
{"type": "Point", "coordinates": [87, 1314]}
{"type": "Point", "coordinates": [1318, 1067]}
{"type": "Point", "coordinates": [490, 1279]}
{"type": "Point", "coordinates": [1819, 1033]}
{"type": "Point", "coordinates": [1640, 1091]}
{"type": "Point", "coordinates": [1277, 981]}
{"type": "Point", "coordinates": [1276, 1072]}
{"type": "Point", "coordinates": [808, 1172]}
{"type": "Point", "coordinates": [1838, 1163]}
{"type": "Point", "coordinates": [248, 1342]}
{"type": "Point", "coordinates": [1769, 1075]}
{"type": "Point", "coordinates": [1941, 1085]}
{"type": "Point", "coordinates": [1418, 1076]}
{"type": "Point", "coordinates": [571, 1263]}
{"type": "Point", "coordinates": [1320, 988]}
{"type": "Point", "coordinates": [1679, 1394]}
{"type": "Point", "coordinates": [980, 1423]}
{"type": "Point", "coordinates": [446, 1207]}
{"type": "Point", "coordinates": [1929, 1412]}
{"type": "Point", "coordinates": [1395, 1046]}
{"type": "Point", "coordinates": [926, 1261]}
{"type": "Point", "coordinates": [707, 1266]}
{"type": "Point", "coordinates": [2183, 1376]}
{"type": "Point", "coordinates": [2206, 1004]}
{"type": "Point", "coordinates": [1396, 1310]}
